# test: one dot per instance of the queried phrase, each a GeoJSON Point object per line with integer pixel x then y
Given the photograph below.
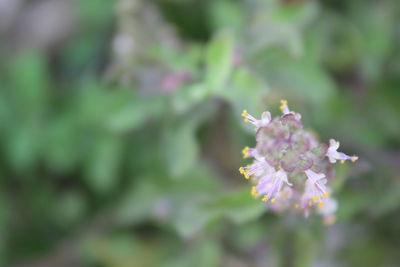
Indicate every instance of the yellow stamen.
{"type": "Point", "coordinates": [296, 206]}
{"type": "Point", "coordinates": [273, 200]}
{"type": "Point", "coordinates": [321, 204]}
{"type": "Point", "coordinates": [244, 113]}
{"type": "Point", "coordinates": [315, 198]}
{"type": "Point", "coordinates": [326, 195]}
{"type": "Point", "coordinates": [245, 152]}
{"type": "Point", "coordinates": [246, 120]}
{"type": "Point", "coordinates": [310, 203]}
{"type": "Point", "coordinates": [342, 161]}
{"type": "Point", "coordinates": [283, 104]}
{"type": "Point", "coordinates": [254, 192]}
{"type": "Point", "coordinates": [354, 159]}
{"type": "Point", "coordinates": [265, 198]}
{"type": "Point", "coordinates": [245, 173]}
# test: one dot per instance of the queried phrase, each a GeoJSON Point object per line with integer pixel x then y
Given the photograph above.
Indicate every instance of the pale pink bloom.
{"type": "Point", "coordinates": [284, 200]}
{"type": "Point", "coordinates": [285, 149]}
{"type": "Point", "coordinates": [334, 155]}
{"type": "Point", "coordinates": [271, 185]}
{"type": "Point", "coordinates": [315, 191]}
{"type": "Point", "coordinates": [259, 167]}
{"type": "Point", "coordinates": [315, 185]}
{"type": "Point", "coordinates": [265, 119]}
{"type": "Point", "coordinates": [286, 111]}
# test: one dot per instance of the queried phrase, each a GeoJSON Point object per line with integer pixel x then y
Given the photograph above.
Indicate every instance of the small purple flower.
{"type": "Point", "coordinates": [271, 185]}
{"type": "Point", "coordinates": [286, 111]}
{"type": "Point", "coordinates": [258, 168]}
{"type": "Point", "coordinates": [265, 119]}
{"type": "Point", "coordinates": [291, 166]}
{"type": "Point", "coordinates": [334, 155]}
{"type": "Point", "coordinates": [315, 185]}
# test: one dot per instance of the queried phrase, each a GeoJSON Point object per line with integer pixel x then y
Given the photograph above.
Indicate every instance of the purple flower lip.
{"type": "Point", "coordinates": [291, 167]}
{"type": "Point", "coordinates": [334, 155]}
{"type": "Point", "coordinates": [265, 119]}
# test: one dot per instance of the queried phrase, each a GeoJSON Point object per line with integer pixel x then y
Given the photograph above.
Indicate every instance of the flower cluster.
{"type": "Point", "coordinates": [291, 167]}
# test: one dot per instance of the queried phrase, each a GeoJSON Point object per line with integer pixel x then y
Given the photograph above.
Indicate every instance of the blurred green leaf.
{"type": "Point", "coordinates": [192, 218]}
{"type": "Point", "coordinates": [138, 202]}
{"type": "Point", "coordinates": [246, 92]}
{"type": "Point", "coordinates": [298, 77]}
{"type": "Point", "coordinates": [238, 206]}
{"type": "Point", "coordinates": [181, 150]}
{"type": "Point", "coordinates": [219, 56]}
{"type": "Point", "coordinates": [24, 147]}
{"type": "Point", "coordinates": [29, 81]}
{"type": "Point", "coordinates": [104, 162]}
{"type": "Point", "coordinates": [69, 208]}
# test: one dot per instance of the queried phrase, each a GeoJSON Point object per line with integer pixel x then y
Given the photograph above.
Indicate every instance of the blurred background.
{"type": "Point", "coordinates": [121, 135]}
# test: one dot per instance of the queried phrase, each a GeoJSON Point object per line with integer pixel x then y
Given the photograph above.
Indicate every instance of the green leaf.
{"type": "Point", "coordinates": [219, 56]}
{"type": "Point", "coordinates": [191, 218]}
{"type": "Point", "coordinates": [138, 201]}
{"type": "Point", "coordinates": [133, 114]}
{"type": "Point", "coordinates": [299, 77]}
{"type": "Point", "coordinates": [62, 139]}
{"type": "Point", "coordinates": [69, 208]}
{"type": "Point", "coordinates": [246, 92]}
{"type": "Point", "coordinates": [180, 150]}
{"type": "Point", "coordinates": [29, 80]}
{"type": "Point", "coordinates": [104, 162]}
{"type": "Point", "coordinates": [24, 147]}
{"type": "Point", "coordinates": [238, 206]}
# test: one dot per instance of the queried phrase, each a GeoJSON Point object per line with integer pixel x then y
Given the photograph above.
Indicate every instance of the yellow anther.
{"type": "Point", "coordinates": [244, 113]}
{"type": "Point", "coordinates": [246, 120]}
{"type": "Point", "coordinates": [342, 161]}
{"type": "Point", "coordinates": [315, 198]}
{"type": "Point", "coordinates": [283, 104]}
{"type": "Point", "coordinates": [245, 152]}
{"type": "Point", "coordinates": [326, 195]}
{"type": "Point", "coordinates": [310, 203]}
{"type": "Point", "coordinates": [273, 200]}
{"type": "Point", "coordinates": [254, 192]}
{"type": "Point", "coordinates": [354, 159]}
{"type": "Point", "coordinates": [265, 198]}
{"type": "Point", "coordinates": [246, 176]}
{"type": "Point", "coordinates": [241, 170]}
{"type": "Point", "coordinates": [296, 206]}
{"type": "Point", "coordinates": [321, 204]}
